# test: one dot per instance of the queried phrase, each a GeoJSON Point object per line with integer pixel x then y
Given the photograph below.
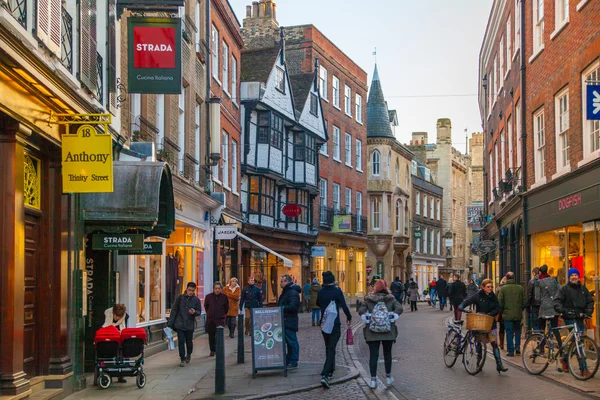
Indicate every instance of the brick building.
{"type": "Point", "coordinates": [477, 217]}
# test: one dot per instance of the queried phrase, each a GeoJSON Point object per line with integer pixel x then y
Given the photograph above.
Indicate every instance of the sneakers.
{"type": "Point", "coordinates": [292, 366]}
{"type": "Point", "coordinates": [586, 373]}
{"type": "Point", "coordinates": [182, 363]}
{"type": "Point", "coordinates": [188, 358]}
{"type": "Point", "coordinates": [373, 383]}
{"type": "Point", "coordinates": [389, 379]}
{"type": "Point", "coordinates": [325, 382]}
{"type": "Point", "coordinates": [510, 354]}
{"type": "Point", "coordinates": [518, 352]}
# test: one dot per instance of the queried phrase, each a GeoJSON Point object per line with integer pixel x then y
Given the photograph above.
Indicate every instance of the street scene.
{"type": "Point", "coordinates": [273, 199]}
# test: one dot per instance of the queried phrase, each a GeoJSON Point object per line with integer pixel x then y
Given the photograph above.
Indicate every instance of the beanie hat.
{"type": "Point", "coordinates": [328, 278]}
{"type": "Point", "coordinates": [316, 281]}
{"type": "Point", "coordinates": [380, 286]}
{"type": "Point", "coordinates": [573, 271]}
{"type": "Point", "coordinates": [544, 269]}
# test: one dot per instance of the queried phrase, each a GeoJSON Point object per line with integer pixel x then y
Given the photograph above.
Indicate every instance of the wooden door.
{"type": "Point", "coordinates": [31, 304]}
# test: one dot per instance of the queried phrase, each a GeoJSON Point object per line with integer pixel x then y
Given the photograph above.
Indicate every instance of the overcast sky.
{"type": "Point", "coordinates": [424, 48]}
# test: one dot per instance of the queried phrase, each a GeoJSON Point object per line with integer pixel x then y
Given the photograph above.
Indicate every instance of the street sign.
{"type": "Point", "coordinates": [369, 269]}
{"type": "Point", "coordinates": [117, 241]}
{"type": "Point", "coordinates": [592, 100]}
{"type": "Point", "coordinates": [449, 242]}
{"type": "Point", "coordinates": [150, 248]}
{"type": "Point", "coordinates": [342, 224]}
{"type": "Point", "coordinates": [225, 232]}
{"type": "Point", "coordinates": [417, 232]}
{"type": "Point", "coordinates": [487, 246]}
{"type": "Point", "coordinates": [317, 251]}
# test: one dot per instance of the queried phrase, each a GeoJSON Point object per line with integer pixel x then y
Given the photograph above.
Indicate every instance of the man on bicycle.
{"type": "Point", "coordinates": [575, 303]}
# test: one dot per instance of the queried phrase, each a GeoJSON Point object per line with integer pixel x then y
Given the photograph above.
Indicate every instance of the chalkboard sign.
{"type": "Point", "coordinates": [268, 340]}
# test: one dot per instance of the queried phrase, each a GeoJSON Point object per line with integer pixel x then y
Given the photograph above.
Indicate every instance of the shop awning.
{"type": "Point", "coordinates": [286, 261]}
{"type": "Point", "coordinates": [142, 199]}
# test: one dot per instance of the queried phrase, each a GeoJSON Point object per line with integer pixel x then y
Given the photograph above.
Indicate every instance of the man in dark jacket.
{"type": "Point", "coordinates": [441, 286]}
{"type": "Point", "coordinates": [290, 301]}
{"type": "Point", "coordinates": [325, 296]}
{"type": "Point", "coordinates": [397, 288]}
{"type": "Point", "coordinates": [457, 294]}
{"type": "Point", "coordinates": [251, 298]}
{"type": "Point", "coordinates": [183, 320]}
{"type": "Point", "coordinates": [512, 301]}
{"type": "Point", "coordinates": [533, 305]}
{"type": "Point", "coordinates": [216, 305]}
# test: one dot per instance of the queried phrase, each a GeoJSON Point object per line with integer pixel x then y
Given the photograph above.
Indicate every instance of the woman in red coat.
{"type": "Point", "coordinates": [216, 305]}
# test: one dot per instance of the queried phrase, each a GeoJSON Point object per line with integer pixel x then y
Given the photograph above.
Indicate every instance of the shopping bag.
{"type": "Point", "coordinates": [169, 333]}
{"type": "Point", "coordinates": [329, 317]}
{"type": "Point", "coordinates": [349, 337]}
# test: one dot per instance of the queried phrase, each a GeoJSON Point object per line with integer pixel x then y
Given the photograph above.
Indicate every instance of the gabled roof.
{"type": "Point", "coordinates": [378, 118]}
{"type": "Point", "coordinates": [301, 86]}
{"type": "Point", "coordinates": [258, 64]}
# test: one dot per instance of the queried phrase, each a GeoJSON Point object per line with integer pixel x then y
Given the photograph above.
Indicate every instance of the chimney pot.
{"type": "Point", "coordinates": [248, 11]}
{"type": "Point", "coordinates": [269, 8]}
{"type": "Point", "coordinates": [255, 9]}
{"type": "Point", "coordinates": [262, 8]}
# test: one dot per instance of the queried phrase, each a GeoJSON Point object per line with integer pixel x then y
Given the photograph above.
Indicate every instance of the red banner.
{"type": "Point", "coordinates": [154, 47]}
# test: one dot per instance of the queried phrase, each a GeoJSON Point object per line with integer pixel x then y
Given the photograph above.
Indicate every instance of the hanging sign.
{"type": "Point", "coordinates": [87, 162]}
{"type": "Point", "coordinates": [342, 224]}
{"type": "Point", "coordinates": [123, 241]}
{"type": "Point", "coordinates": [291, 210]}
{"type": "Point", "coordinates": [593, 102]}
{"type": "Point", "coordinates": [150, 248]}
{"type": "Point", "coordinates": [154, 55]}
{"type": "Point", "coordinates": [487, 246]}
{"type": "Point", "coordinates": [225, 232]}
{"type": "Point", "coordinates": [317, 251]}
{"type": "Point", "coordinates": [268, 339]}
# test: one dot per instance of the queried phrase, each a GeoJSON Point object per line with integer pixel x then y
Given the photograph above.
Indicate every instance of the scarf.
{"type": "Point", "coordinates": [108, 320]}
{"type": "Point", "coordinates": [542, 276]}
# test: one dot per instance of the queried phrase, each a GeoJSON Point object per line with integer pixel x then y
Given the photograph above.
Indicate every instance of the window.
{"type": "Point", "coordinates": [225, 159]}
{"type": "Point", "coordinates": [234, 79]}
{"type": "Point", "coordinates": [418, 245]}
{"type": "Point", "coordinates": [181, 128]}
{"type": "Point", "coordinates": [270, 129]}
{"type": "Point", "coordinates": [336, 197]}
{"type": "Point", "coordinates": [234, 162]}
{"type": "Point", "coordinates": [517, 25]}
{"type": "Point", "coordinates": [348, 149]}
{"type": "Point", "coordinates": [496, 158]}
{"type": "Point", "coordinates": [348, 201]}
{"type": "Point", "coordinates": [358, 155]}
{"type": "Point", "coordinates": [431, 242]}
{"type": "Point", "coordinates": [304, 148]}
{"type": "Point", "coordinates": [299, 197]}
{"type": "Point", "coordinates": [591, 129]}
{"type": "Point", "coordinates": [431, 208]}
{"type": "Point", "coordinates": [348, 100]}
{"type": "Point", "coordinates": [336, 143]}
{"type": "Point", "coordinates": [398, 215]}
{"type": "Point", "coordinates": [439, 243]}
{"type": "Point", "coordinates": [561, 106]}
{"type": "Point", "coordinates": [494, 87]}
{"type": "Point", "coordinates": [358, 101]}
{"type": "Point", "coordinates": [323, 149]}
{"type": "Point", "coordinates": [439, 211]}
{"type": "Point", "coordinates": [149, 276]}
{"type": "Point", "coordinates": [359, 204]}
{"type": "Point", "coordinates": [314, 105]}
{"type": "Point", "coordinates": [397, 173]}
{"type": "Point", "coordinates": [323, 82]}
{"type": "Point", "coordinates": [215, 53]}
{"type": "Point", "coordinates": [388, 167]}
{"type": "Point", "coordinates": [502, 154]}
{"type": "Point", "coordinates": [538, 25]}
{"type": "Point", "coordinates": [561, 13]}
{"type": "Point", "coordinates": [407, 178]}
{"type": "Point", "coordinates": [509, 47]}
{"type": "Point", "coordinates": [280, 79]}
{"type": "Point", "coordinates": [225, 67]}
{"type": "Point", "coordinates": [418, 203]}
{"type": "Point", "coordinates": [196, 135]}
{"type": "Point", "coordinates": [323, 200]}
{"type": "Point", "coordinates": [197, 18]}
{"type": "Point", "coordinates": [425, 238]}
{"type": "Point", "coordinates": [540, 141]}
{"type": "Point", "coordinates": [375, 213]}
{"type": "Point", "coordinates": [509, 128]}
{"type": "Point", "coordinates": [335, 83]}
{"type": "Point", "coordinates": [262, 196]}
{"type": "Point", "coordinates": [375, 161]}
{"type": "Point", "coordinates": [501, 55]}
{"type": "Point", "coordinates": [425, 205]}
{"type": "Point", "coordinates": [491, 176]}
{"type": "Point", "coordinates": [518, 132]}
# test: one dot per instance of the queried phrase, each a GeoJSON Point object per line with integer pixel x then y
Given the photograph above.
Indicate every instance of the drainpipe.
{"type": "Point", "coordinates": [525, 231]}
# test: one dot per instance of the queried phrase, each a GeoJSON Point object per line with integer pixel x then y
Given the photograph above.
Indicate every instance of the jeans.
{"type": "Point", "coordinates": [331, 342]}
{"type": "Point", "coordinates": [513, 336]}
{"type": "Point", "coordinates": [442, 303]}
{"type": "Point", "coordinates": [306, 300]}
{"type": "Point", "coordinates": [402, 297]}
{"type": "Point", "coordinates": [532, 319]}
{"type": "Point", "coordinates": [553, 324]}
{"type": "Point", "coordinates": [581, 328]}
{"type": "Point", "coordinates": [374, 356]}
{"type": "Point", "coordinates": [413, 306]}
{"type": "Point", "coordinates": [316, 315]}
{"type": "Point", "coordinates": [397, 296]}
{"type": "Point", "coordinates": [212, 342]}
{"type": "Point", "coordinates": [185, 339]}
{"type": "Point", "coordinates": [293, 347]}
{"type": "Point", "coordinates": [433, 297]}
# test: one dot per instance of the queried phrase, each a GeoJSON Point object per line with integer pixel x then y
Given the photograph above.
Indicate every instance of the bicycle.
{"type": "Point", "coordinates": [582, 352]}
{"type": "Point", "coordinates": [472, 348]}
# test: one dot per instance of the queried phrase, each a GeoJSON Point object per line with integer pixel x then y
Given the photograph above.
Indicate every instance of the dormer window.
{"type": "Point", "coordinates": [270, 129]}
{"type": "Point", "coordinates": [314, 105]}
{"type": "Point", "coordinates": [280, 80]}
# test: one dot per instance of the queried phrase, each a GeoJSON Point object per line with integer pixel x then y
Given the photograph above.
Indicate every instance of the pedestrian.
{"type": "Point", "coordinates": [433, 291]}
{"type": "Point", "coordinates": [325, 296]}
{"type": "Point", "coordinates": [403, 292]}
{"type": "Point", "coordinates": [512, 299]}
{"type": "Point", "coordinates": [501, 330]}
{"type": "Point", "coordinates": [216, 305]}
{"type": "Point", "coordinates": [472, 288]}
{"type": "Point", "coordinates": [448, 290]}
{"type": "Point", "coordinates": [397, 289]}
{"type": "Point", "coordinates": [371, 285]}
{"type": "Point", "coordinates": [547, 290]}
{"type": "Point", "coordinates": [458, 292]}
{"type": "Point", "coordinates": [440, 287]}
{"type": "Point", "coordinates": [486, 302]}
{"type": "Point", "coordinates": [413, 296]}
{"type": "Point", "coordinates": [316, 310]}
{"type": "Point", "coordinates": [306, 295]}
{"type": "Point", "coordinates": [380, 310]}
{"type": "Point", "coordinates": [574, 301]}
{"type": "Point", "coordinates": [289, 300]}
{"type": "Point", "coordinates": [186, 308]}
{"type": "Point", "coordinates": [251, 298]}
{"type": "Point", "coordinates": [233, 293]}
{"type": "Point", "coordinates": [116, 316]}
{"type": "Point", "coordinates": [533, 305]}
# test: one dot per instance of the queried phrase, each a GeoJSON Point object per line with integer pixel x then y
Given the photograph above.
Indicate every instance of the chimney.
{"type": "Point", "coordinates": [262, 8]}
{"type": "Point", "coordinates": [255, 9]}
{"type": "Point", "coordinates": [248, 11]}
{"type": "Point", "coordinates": [274, 11]}
{"type": "Point", "coordinates": [269, 11]}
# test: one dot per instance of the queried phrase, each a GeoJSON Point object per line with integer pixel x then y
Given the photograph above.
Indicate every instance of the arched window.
{"type": "Point", "coordinates": [375, 162]}
{"type": "Point", "coordinates": [398, 215]}
{"type": "Point", "coordinates": [397, 173]}
{"type": "Point", "coordinates": [389, 165]}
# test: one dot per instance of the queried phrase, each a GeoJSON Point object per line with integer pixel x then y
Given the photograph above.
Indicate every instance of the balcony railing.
{"type": "Point", "coordinates": [325, 217]}
{"type": "Point", "coordinates": [18, 9]}
{"type": "Point", "coordinates": [358, 223]}
{"type": "Point", "coordinates": [99, 78]}
{"type": "Point", "coordinates": [169, 153]}
{"type": "Point", "coordinates": [190, 165]}
{"type": "Point", "coordinates": [146, 131]}
{"type": "Point", "coordinates": [66, 41]}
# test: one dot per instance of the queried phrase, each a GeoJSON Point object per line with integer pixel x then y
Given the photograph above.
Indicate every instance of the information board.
{"type": "Point", "coordinates": [268, 340]}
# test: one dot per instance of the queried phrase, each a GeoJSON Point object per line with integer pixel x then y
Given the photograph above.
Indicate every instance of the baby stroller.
{"type": "Point", "coordinates": [119, 354]}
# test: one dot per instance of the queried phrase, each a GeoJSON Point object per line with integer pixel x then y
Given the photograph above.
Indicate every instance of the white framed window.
{"type": "Point", "coordinates": [375, 163]}
{"type": "Point", "coordinates": [561, 14]}
{"type": "Point", "coordinates": [591, 129]}
{"type": "Point", "coordinates": [215, 53]}
{"type": "Point", "coordinates": [418, 203]}
{"type": "Point", "coordinates": [196, 137]}
{"type": "Point", "coordinates": [234, 79]}
{"type": "Point", "coordinates": [348, 201]}
{"type": "Point", "coordinates": [538, 26]}
{"type": "Point", "coordinates": [397, 171]}
{"type": "Point", "coordinates": [234, 168]}
{"type": "Point", "coordinates": [358, 101]}
{"type": "Point", "coordinates": [375, 213]}
{"type": "Point", "coordinates": [335, 84]}
{"type": "Point", "coordinates": [323, 150]}
{"type": "Point", "coordinates": [509, 45]}
{"type": "Point", "coordinates": [323, 82]}
{"type": "Point", "coordinates": [336, 143]}
{"type": "Point", "coordinates": [225, 67]}
{"type": "Point", "coordinates": [491, 168]}
{"type": "Point", "coordinates": [501, 55]}
{"type": "Point", "coordinates": [359, 204]}
{"type": "Point", "coordinates": [517, 25]}
{"type": "Point", "coordinates": [336, 197]}
{"type": "Point", "coordinates": [323, 200]}
{"type": "Point", "coordinates": [425, 205]}
{"type": "Point", "coordinates": [518, 132]}
{"type": "Point", "coordinates": [280, 79]}
{"type": "Point", "coordinates": [398, 215]}
{"type": "Point", "coordinates": [502, 154]}
{"type": "Point", "coordinates": [539, 136]}
{"type": "Point", "coordinates": [439, 243]}
{"type": "Point", "coordinates": [438, 210]}
{"type": "Point", "coordinates": [348, 149]}
{"type": "Point", "coordinates": [494, 87]}
{"type": "Point", "coordinates": [198, 38]}
{"type": "Point", "coordinates": [425, 239]}
{"type": "Point", "coordinates": [561, 107]}
{"type": "Point", "coordinates": [149, 273]}
{"type": "Point", "coordinates": [509, 128]}
{"type": "Point", "coordinates": [348, 100]}
{"type": "Point", "coordinates": [417, 245]}
{"type": "Point", "coordinates": [181, 128]}
{"type": "Point", "coordinates": [406, 177]}
{"type": "Point", "coordinates": [431, 242]}
{"type": "Point", "coordinates": [496, 170]}
{"type": "Point", "coordinates": [359, 155]}
{"type": "Point", "coordinates": [431, 208]}
{"type": "Point", "coordinates": [225, 159]}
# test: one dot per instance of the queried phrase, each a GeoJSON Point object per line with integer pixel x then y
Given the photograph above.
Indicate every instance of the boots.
{"type": "Point", "coordinates": [501, 339]}
{"type": "Point", "coordinates": [232, 329]}
{"type": "Point", "coordinates": [499, 366]}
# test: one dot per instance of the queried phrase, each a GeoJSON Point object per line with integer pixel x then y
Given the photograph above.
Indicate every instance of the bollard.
{"type": "Point", "coordinates": [240, 339]}
{"type": "Point", "coordinates": [220, 362]}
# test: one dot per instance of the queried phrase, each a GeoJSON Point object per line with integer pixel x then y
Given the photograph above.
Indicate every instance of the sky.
{"type": "Point", "coordinates": [424, 48]}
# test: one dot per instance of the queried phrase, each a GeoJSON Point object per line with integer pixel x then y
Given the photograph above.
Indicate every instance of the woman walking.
{"type": "Point", "coordinates": [233, 293]}
{"type": "Point", "coordinates": [413, 296]}
{"type": "Point", "coordinates": [486, 302]}
{"type": "Point", "coordinates": [380, 310]}
{"type": "Point", "coordinates": [312, 302]}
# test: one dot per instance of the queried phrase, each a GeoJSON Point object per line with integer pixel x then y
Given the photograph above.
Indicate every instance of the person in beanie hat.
{"type": "Point", "coordinates": [575, 303]}
{"type": "Point", "coordinates": [325, 296]}
{"type": "Point", "coordinates": [316, 310]}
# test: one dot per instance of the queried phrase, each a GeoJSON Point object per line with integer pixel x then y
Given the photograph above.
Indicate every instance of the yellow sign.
{"type": "Point", "coordinates": [87, 162]}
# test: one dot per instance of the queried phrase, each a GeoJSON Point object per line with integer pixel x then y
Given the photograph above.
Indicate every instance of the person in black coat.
{"type": "Point", "coordinates": [186, 308]}
{"type": "Point", "coordinates": [458, 293]}
{"type": "Point", "coordinates": [216, 305]}
{"type": "Point", "coordinates": [251, 297]}
{"type": "Point", "coordinates": [289, 300]}
{"type": "Point", "coordinates": [441, 286]}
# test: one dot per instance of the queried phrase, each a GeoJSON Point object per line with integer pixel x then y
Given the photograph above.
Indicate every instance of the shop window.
{"type": "Point", "coordinates": [341, 258]}
{"type": "Point", "coordinates": [360, 271]}
{"type": "Point", "coordinates": [149, 288]}
{"type": "Point", "coordinates": [319, 268]}
{"type": "Point", "coordinates": [267, 269]}
{"type": "Point", "coordinates": [549, 248]}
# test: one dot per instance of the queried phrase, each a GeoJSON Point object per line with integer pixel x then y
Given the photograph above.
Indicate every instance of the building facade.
{"type": "Point", "coordinates": [475, 214]}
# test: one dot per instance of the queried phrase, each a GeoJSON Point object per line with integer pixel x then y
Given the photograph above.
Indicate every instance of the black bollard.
{"type": "Point", "coordinates": [220, 362]}
{"type": "Point", "coordinates": [240, 339]}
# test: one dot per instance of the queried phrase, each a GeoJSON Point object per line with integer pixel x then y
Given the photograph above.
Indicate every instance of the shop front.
{"type": "Point", "coordinates": [564, 228]}
{"type": "Point", "coordinates": [425, 270]}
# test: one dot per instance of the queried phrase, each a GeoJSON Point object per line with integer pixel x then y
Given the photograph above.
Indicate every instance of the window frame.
{"type": "Point", "coordinates": [335, 196]}
{"type": "Point", "coordinates": [375, 213]}
{"type": "Point", "coordinates": [358, 105]}
{"type": "Point", "coordinates": [348, 100]}
{"type": "Point", "coordinates": [590, 128]}
{"type": "Point", "coordinates": [348, 149]}
{"type": "Point", "coordinates": [376, 163]}
{"type": "Point", "coordinates": [348, 200]}
{"type": "Point", "coordinates": [314, 105]}
{"type": "Point", "coordinates": [323, 82]}
{"type": "Point", "coordinates": [358, 148]}
{"type": "Point", "coordinates": [225, 68]}
{"type": "Point", "coordinates": [263, 198]}
{"type": "Point", "coordinates": [234, 80]}
{"type": "Point", "coordinates": [561, 130]}
{"type": "Point", "coordinates": [336, 144]}
{"type": "Point", "coordinates": [280, 79]}
{"type": "Point", "coordinates": [335, 91]}
{"type": "Point", "coordinates": [417, 203]}
{"type": "Point", "coordinates": [225, 159]}
{"type": "Point", "coordinates": [215, 52]}
{"type": "Point", "coordinates": [234, 168]}
{"type": "Point", "coordinates": [538, 27]}
{"type": "Point", "coordinates": [539, 148]}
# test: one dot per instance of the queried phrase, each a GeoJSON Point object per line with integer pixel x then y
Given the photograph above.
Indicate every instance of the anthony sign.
{"type": "Point", "coordinates": [154, 55]}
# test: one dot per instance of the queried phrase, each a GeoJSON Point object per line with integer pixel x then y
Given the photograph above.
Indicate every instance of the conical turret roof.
{"type": "Point", "coordinates": [378, 118]}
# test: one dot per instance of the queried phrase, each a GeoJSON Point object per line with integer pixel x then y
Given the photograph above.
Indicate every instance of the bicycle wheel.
{"type": "Point", "coordinates": [474, 354]}
{"type": "Point", "coordinates": [451, 343]}
{"type": "Point", "coordinates": [583, 363]}
{"type": "Point", "coordinates": [535, 356]}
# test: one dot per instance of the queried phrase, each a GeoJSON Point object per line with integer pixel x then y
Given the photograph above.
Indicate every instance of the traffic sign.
{"type": "Point", "coordinates": [593, 102]}
{"type": "Point", "coordinates": [369, 269]}
{"type": "Point", "coordinates": [487, 246]}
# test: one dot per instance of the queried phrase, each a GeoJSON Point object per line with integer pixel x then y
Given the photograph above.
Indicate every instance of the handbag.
{"type": "Point", "coordinates": [349, 337]}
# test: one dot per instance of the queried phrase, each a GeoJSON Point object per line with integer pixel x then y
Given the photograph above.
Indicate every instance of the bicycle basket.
{"type": "Point", "coordinates": [479, 322]}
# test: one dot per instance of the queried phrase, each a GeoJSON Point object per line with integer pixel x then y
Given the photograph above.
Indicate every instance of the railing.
{"type": "Point", "coordinates": [18, 9]}
{"type": "Point", "coordinates": [358, 223]}
{"type": "Point", "coordinates": [99, 78]}
{"type": "Point", "coordinates": [147, 131]}
{"type": "Point", "coordinates": [169, 153]}
{"type": "Point", "coordinates": [66, 41]}
{"type": "Point", "coordinates": [325, 217]}
{"type": "Point", "coordinates": [190, 166]}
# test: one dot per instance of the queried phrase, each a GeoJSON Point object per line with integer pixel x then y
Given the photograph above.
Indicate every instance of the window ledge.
{"type": "Point", "coordinates": [359, 170]}
{"type": "Point", "coordinates": [337, 160]}
{"type": "Point", "coordinates": [234, 102]}
{"type": "Point", "coordinates": [561, 172]}
{"type": "Point", "coordinates": [338, 107]}
{"type": "Point", "coordinates": [324, 154]}
{"type": "Point", "coordinates": [536, 54]}
{"type": "Point", "coordinates": [226, 93]}
{"type": "Point", "coordinates": [325, 99]}
{"type": "Point", "coordinates": [227, 188]}
{"type": "Point", "coordinates": [514, 57]}
{"type": "Point", "coordinates": [236, 193]}
{"type": "Point", "coordinates": [217, 181]}
{"type": "Point", "coordinates": [349, 166]}
{"type": "Point", "coordinates": [507, 74]}
{"type": "Point", "coordinates": [559, 29]}
{"type": "Point", "coordinates": [348, 115]}
{"type": "Point", "coordinates": [538, 183]}
{"type": "Point", "coordinates": [217, 80]}
{"type": "Point", "coordinates": [589, 158]}
{"type": "Point", "coordinates": [359, 122]}
{"type": "Point", "coordinates": [582, 4]}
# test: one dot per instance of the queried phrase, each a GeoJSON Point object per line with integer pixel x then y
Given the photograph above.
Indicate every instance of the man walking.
{"type": "Point", "coordinates": [512, 299]}
{"type": "Point", "coordinates": [216, 305]}
{"type": "Point", "coordinates": [290, 301]}
{"type": "Point", "coordinates": [397, 289]}
{"type": "Point", "coordinates": [533, 305]}
{"type": "Point", "coordinates": [440, 287]}
{"type": "Point", "coordinates": [457, 294]}
{"type": "Point", "coordinates": [251, 298]}
{"type": "Point", "coordinates": [183, 320]}
{"type": "Point", "coordinates": [306, 295]}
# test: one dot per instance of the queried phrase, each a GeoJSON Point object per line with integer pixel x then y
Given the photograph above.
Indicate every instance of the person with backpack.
{"type": "Point", "coordinates": [533, 305]}
{"type": "Point", "coordinates": [330, 299]}
{"type": "Point", "coordinates": [380, 310]}
{"type": "Point", "coordinates": [413, 296]}
{"type": "Point", "coordinates": [397, 289]}
{"type": "Point", "coordinates": [185, 309]}
{"type": "Point", "coordinates": [251, 298]}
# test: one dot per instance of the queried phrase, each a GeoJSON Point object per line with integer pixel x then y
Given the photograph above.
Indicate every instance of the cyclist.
{"type": "Point", "coordinates": [575, 303]}
{"type": "Point", "coordinates": [486, 302]}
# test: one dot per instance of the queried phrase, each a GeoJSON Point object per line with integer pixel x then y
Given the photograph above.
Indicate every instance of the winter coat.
{"type": "Point", "coordinates": [484, 304]}
{"type": "Point", "coordinates": [397, 287]}
{"type": "Point", "coordinates": [290, 301]}
{"type": "Point", "coordinates": [457, 293]}
{"type": "Point", "coordinates": [234, 300]}
{"type": "Point", "coordinates": [312, 302]}
{"type": "Point", "coordinates": [512, 301]}
{"type": "Point", "coordinates": [108, 320]}
{"type": "Point", "coordinates": [181, 319]}
{"type": "Point", "coordinates": [574, 299]}
{"type": "Point", "coordinates": [441, 286]}
{"type": "Point", "coordinates": [548, 290]}
{"type": "Point", "coordinates": [251, 297]}
{"type": "Point", "coordinates": [391, 304]}
{"type": "Point", "coordinates": [413, 293]}
{"type": "Point", "coordinates": [472, 288]}
{"type": "Point", "coordinates": [531, 301]}
{"type": "Point", "coordinates": [331, 293]}
{"type": "Point", "coordinates": [306, 290]}
{"type": "Point", "coordinates": [216, 306]}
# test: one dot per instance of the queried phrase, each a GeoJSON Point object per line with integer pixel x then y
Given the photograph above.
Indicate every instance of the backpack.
{"type": "Point", "coordinates": [380, 320]}
{"type": "Point", "coordinates": [329, 317]}
{"type": "Point", "coordinates": [397, 287]}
